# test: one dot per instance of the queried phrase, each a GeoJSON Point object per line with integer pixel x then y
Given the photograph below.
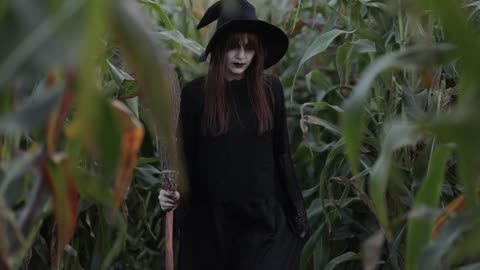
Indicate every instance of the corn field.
{"type": "Point", "coordinates": [382, 100]}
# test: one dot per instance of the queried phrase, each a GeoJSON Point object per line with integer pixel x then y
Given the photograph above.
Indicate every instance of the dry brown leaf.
{"type": "Point", "coordinates": [54, 123]}
{"type": "Point", "coordinates": [455, 206]}
{"type": "Point", "coordinates": [297, 29]}
{"type": "Point", "coordinates": [65, 199]}
{"type": "Point", "coordinates": [132, 136]}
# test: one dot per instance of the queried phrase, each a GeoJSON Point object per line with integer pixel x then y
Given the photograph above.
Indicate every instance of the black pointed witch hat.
{"type": "Point", "coordinates": [240, 16]}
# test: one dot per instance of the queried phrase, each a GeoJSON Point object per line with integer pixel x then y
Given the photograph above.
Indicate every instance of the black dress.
{"type": "Point", "coordinates": [241, 215]}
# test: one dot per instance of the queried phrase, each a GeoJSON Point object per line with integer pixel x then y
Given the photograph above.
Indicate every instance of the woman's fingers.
{"type": "Point", "coordinates": [173, 195]}
{"type": "Point", "coordinates": [167, 194]}
{"type": "Point", "coordinates": [168, 199]}
{"type": "Point", "coordinates": [176, 194]}
{"type": "Point", "coordinates": [168, 206]}
{"type": "Point", "coordinates": [163, 199]}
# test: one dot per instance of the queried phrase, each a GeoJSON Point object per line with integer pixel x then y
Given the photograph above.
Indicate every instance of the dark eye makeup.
{"type": "Point", "coordinates": [234, 46]}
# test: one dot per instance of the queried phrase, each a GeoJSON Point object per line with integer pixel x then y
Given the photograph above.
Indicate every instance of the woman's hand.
{"type": "Point", "coordinates": [168, 199]}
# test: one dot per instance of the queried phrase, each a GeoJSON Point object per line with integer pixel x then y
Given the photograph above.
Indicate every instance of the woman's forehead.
{"type": "Point", "coordinates": [242, 37]}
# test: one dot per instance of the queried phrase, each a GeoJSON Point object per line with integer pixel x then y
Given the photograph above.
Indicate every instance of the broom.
{"type": "Point", "coordinates": [167, 161]}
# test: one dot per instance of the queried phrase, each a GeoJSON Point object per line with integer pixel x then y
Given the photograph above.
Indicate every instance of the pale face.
{"type": "Point", "coordinates": [238, 59]}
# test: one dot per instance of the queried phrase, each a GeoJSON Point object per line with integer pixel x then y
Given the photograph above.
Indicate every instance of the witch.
{"type": "Point", "coordinates": [245, 209]}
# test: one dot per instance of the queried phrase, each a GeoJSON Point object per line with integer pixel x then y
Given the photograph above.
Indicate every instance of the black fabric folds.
{"type": "Point", "coordinates": [295, 207]}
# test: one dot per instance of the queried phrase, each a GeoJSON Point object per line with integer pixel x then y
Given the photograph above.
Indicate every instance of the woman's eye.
{"type": "Point", "coordinates": [234, 47]}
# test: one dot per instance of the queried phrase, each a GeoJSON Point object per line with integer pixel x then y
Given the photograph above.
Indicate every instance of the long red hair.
{"type": "Point", "coordinates": [215, 117]}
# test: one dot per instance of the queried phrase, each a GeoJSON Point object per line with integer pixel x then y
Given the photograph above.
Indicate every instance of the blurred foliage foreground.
{"type": "Point", "coordinates": [384, 109]}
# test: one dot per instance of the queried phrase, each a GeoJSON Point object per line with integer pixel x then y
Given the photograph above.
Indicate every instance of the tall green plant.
{"type": "Point", "coordinates": [377, 133]}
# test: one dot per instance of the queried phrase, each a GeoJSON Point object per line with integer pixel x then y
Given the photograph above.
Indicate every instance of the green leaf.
{"type": "Point", "coordinates": [14, 170]}
{"type": "Point", "coordinates": [40, 39]}
{"type": "Point", "coordinates": [128, 87]}
{"type": "Point", "coordinates": [147, 160]}
{"type": "Point", "coordinates": [473, 266]}
{"type": "Point", "coordinates": [309, 192]}
{"type": "Point", "coordinates": [320, 122]}
{"type": "Point", "coordinates": [100, 137]}
{"type": "Point", "coordinates": [344, 52]}
{"type": "Point", "coordinates": [409, 105]}
{"type": "Point", "coordinates": [319, 79]}
{"type": "Point", "coordinates": [118, 74]}
{"type": "Point", "coordinates": [364, 46]}
{"type": "Point", "coordinates": [330, 162]}
{"type": "Point", "coordinates": [128, 90]}
{"type": "Point", "coordinates": [459, 31]}
{"type": "Point", "coordinates": [462, 128]}
{"type": "Point", "coordinates": [18, 259]}
{"type": "Point", "coordinates": [178, 37]}
{"type": "Point", "coordinates": [33, 114]}
{"type": "Point", "coordinates": [345, 257]}
{"type": "Point", "coordinates": [321, 253]}
{"type": "Point", "coordinates": [352, 121]}
{"type": "Point", "coordinates": [373, 4]}
{"type": "Point", "coordinates": [372, 36]}
{"type": "Point", "coordinates": [160, 12]}
{"type": "Point", "coordinates": [397, 135]}
{"type": "Point", "coordinates": [321, 43]}
{"type": "Point", "coordinates": [119, 242]}
{"type": "Point", "coordinates": [420, 230]}
{"type": "Point", "coordinates": [103, 243]}
{"type": "Point", "coordinates": [92, 188]}
{"type": "Point", "coordinates": [321, 105]}
{"type": "Point", "coordinates": [311, 244]}
{"type": "Point", "coordinates": [132, 104]}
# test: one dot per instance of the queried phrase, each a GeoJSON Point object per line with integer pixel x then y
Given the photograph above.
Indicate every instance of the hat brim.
{"type": "Point", "coordinates": [274, 39]}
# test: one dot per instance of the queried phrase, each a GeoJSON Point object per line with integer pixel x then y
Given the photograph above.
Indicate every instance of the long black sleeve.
{"type": "Point", "coordinates": [188, 130]}
{"type": "Point", "coordinates": [296, 208]}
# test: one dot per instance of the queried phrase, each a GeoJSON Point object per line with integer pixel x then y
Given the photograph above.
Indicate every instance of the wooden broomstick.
{"type": "Point", "coordinates": [169, 185]}
{"type": "Point", "coordinates": [166, 163]}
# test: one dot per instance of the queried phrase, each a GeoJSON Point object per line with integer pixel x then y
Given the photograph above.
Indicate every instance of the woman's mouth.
{"type": "Point", "coordinates": [238, 65]}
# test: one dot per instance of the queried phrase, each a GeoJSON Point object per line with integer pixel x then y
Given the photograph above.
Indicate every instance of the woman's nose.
{"type": "Point", "coordinates": [241, 53]}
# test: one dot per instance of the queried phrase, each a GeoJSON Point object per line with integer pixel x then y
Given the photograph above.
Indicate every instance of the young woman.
{"type": "Point", "coordinates": [245, 210]}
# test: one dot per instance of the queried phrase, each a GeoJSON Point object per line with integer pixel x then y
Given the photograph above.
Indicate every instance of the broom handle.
{"type": "Point", "coordinates": [169, 241]}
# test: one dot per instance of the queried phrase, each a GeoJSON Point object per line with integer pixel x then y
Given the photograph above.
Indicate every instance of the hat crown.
{"type": "Point", "coordinates": [227, 10]}
{"type": "Point", "coordinates": [240, 16]}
